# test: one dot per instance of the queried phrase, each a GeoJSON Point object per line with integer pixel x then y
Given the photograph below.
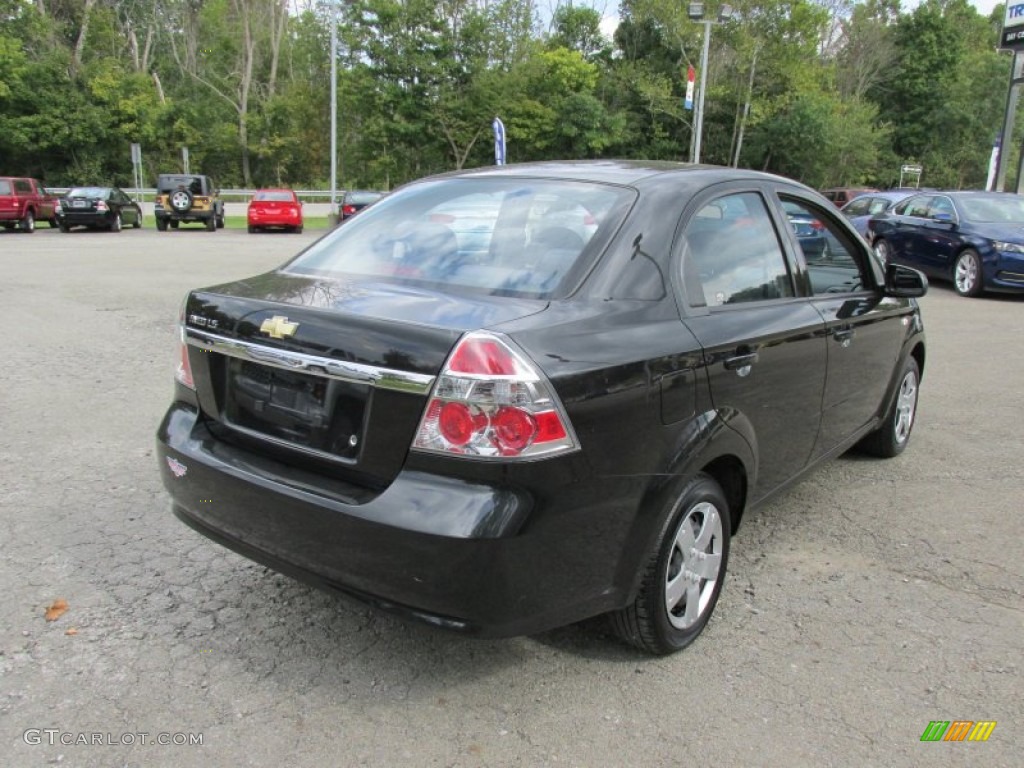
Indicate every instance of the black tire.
{"type": "Point", "coordinates": [116, 223]}
{"type": "Point", "coordinates": [882, 250]}
{"type": "Point", "coordinates": [53, 223]}
{"type": "Point", "coordinates": [220, 221]}
{"type": "Point", "coordinates": [649, 623]}
{"type": "Point", "coordinates": [180, 200]}
{"type": "Point", "coordinates": [63, 227]}
{"type": "Point", "coordinates": [211, 225]}
{"type": "Point", "coordinates": [28, 224]}
{"type": "Point", "coordinates": [161, 225]}
{"type": "Point", "coordinates": [174, 224]}
{"type": "Point", "coordinates": [298, 230]}
{"type": "Point", "coordinates": [138, 221]}
{"type": "Point", "coordinates": [891, 438]}
{"type": "Point", "coordinates": [968, 279]}
{"type": "Point", "coordinates": [252, 230]}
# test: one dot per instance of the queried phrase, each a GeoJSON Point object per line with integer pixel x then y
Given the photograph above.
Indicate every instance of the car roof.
{"type": "Point", "coordinates": [623, 172]}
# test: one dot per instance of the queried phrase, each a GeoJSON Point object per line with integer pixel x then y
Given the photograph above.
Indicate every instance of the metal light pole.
{"type": "Point", "coordinates": [696, 13]}
{"type": "Point", "coordinates": [333, 218]}
{"type": "Point", "coordinates": [699, 127]}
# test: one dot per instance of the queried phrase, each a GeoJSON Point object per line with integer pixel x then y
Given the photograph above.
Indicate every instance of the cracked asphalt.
{"type": "Point", "coordinates": [870, 599]}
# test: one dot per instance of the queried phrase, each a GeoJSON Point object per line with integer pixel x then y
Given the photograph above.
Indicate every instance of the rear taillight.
{"type": "Point", "coordinates": [183, 373]}
{"type": "Point", "coordinates": [817, 226]}
{"type": "Point", "coordinates": [58, 208]}
{"type": "Point", "coordinates": [348, 210]}
{"type": "Point", "coordinates": [101, 206]}
{"type": "Point", "coordinates": [490, 401]}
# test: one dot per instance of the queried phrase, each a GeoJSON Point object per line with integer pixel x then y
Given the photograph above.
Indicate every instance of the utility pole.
{"type": "Point", "coordinates": [333, 218]}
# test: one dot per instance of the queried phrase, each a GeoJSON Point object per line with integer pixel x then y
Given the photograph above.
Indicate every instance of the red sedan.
{"type": "Point", "coordinates": [278, 208]}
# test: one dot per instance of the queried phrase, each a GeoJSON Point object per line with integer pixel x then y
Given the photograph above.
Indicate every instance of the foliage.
{"type": "Point", "coordinates": [831, 92]}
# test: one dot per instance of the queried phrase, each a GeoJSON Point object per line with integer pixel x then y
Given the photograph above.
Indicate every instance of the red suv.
{"type": "Point", "coordinates": [23, 202]}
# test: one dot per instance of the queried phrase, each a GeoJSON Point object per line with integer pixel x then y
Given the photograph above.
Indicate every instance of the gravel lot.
{"type": "Point", "coordinates": [872, 598]}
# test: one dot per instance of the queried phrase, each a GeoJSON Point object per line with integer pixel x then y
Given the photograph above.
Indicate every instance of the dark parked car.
{"type": "Point", "coordinates": [860, 210]}
{"type": "Point", "coordinates": [809, 230]}
{"type": "Point", "coordinates": [353, 201]}
{"type": "Point", "coordinates": [564, 423]}
{"type": "Point", "coordinates": [97, 208]}
{"type": "Point", "coordinates": [975, 239]}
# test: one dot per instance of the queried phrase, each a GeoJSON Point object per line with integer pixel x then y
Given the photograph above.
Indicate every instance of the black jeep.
{"type": "Point", "coordinates": [187, 197]}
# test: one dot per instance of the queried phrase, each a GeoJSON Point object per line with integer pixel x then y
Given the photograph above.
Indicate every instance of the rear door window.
{"type": "Point", "coordinates": [5, 187]}
{"type": "Point", "coordinates": [22, 187]}
{"type": "Point", "coordinates": [732, 247]}
{"type": "Point", "coordinates": [914, 206]}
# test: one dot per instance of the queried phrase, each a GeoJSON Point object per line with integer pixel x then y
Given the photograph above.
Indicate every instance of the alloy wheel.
{"type": "Point", "coordinates": [694, 566]}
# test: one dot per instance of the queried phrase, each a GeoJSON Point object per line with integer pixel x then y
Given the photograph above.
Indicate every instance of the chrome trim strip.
{"type": "Point", "coordinates": [328, 368]}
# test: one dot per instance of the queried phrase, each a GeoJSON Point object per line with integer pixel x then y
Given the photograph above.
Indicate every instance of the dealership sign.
{"type": "Point", "coordinates": [1013, 27]}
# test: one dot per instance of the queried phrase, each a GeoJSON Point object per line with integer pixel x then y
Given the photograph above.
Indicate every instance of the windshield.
{"type": "Point", "coordinates": [93, 193]}
{"type": "Point", "coordinates": [994, 208]}
{"type": "Point", "coordinates": [503, 236]}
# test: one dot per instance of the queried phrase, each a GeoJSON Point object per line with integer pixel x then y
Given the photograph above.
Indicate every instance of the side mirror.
{"type": "Point", "coordinates": [904, 282]}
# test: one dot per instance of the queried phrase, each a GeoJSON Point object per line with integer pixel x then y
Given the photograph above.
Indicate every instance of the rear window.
{"type": "Point", "coordinates": [93, 193]}
{"type": "Point", "coordinates": [192, 183]}
{"type": "Point", "coordinates": [274, 197]}
{"type": "Point", "coordinates": [5, 187]}
{"type": "Point", "coordinates": [514, 237]}
{"type": "Point", "coordinates": [362, 198]}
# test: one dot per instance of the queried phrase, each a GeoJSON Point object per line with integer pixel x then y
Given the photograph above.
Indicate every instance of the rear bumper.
{"type": "Point", "coordinates": [482, 558]}
{"type": "Point", "coordinates": [163, 213]}
{"type": "Point", "coordinates": [84, 219]}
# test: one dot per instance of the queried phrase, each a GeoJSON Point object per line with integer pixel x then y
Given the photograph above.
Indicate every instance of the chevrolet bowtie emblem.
{"type": "Point", "coordinates": [278, 327]}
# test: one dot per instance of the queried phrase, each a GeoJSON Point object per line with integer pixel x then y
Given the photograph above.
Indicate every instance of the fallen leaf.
{"type": "Point", "coordinates": [57, 609]}
{"type": "Point", "coordinates": [71, 631]}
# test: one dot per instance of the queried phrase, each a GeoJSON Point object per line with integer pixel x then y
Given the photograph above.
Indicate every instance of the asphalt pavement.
{"type": "Point", "coordinates": [869, 600]}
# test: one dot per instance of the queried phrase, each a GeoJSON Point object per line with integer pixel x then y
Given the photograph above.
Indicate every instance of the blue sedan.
{"type": "Point", "coordinates": [975, 239]}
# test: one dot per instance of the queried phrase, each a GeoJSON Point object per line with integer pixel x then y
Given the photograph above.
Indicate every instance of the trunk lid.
{"type": "Point", "coordinates": [329, 374]}
{"type": "Point", "coordinates": [79, 204]}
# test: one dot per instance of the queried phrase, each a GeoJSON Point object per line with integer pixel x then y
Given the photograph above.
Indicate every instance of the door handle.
{"type": "Point", "coordinates": [843, 335]}
{"type": "Point", "coordinates": [741, 361]}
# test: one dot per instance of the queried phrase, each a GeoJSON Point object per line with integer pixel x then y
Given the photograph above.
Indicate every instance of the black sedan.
{"type": "Point", "coordinates": [559, 407]}
{"type": "Point", "coordinates": [975, 239]}
{"type": "Point", "coordinates": [97, 208]}
{"type": "Point", "coordinates": [353, 201]}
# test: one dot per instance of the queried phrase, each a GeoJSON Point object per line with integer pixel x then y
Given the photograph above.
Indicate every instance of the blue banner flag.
{"type": "Point", "coordinates": [499, 141]}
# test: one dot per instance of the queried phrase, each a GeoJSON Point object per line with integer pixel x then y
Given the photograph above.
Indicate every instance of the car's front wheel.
{"type": "Point", "coordinates": [683, 575]}
{"type": "Point", "coordinates": [967, 277]}
{"type": "Point", "coordinates": [161, 225]}
{"type": "Point", "coordinates": [891, 438]}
